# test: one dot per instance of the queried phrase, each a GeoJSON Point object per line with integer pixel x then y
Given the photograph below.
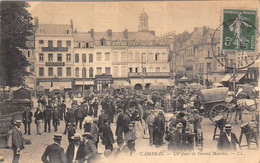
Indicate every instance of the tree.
{"type": "Point", "coordinates": [16, 26]}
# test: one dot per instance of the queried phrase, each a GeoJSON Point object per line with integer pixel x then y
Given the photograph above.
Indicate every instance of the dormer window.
{"type": "Point", "coordinates": [102, 42]}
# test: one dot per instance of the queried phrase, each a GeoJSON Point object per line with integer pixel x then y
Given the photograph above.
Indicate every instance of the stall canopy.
{"type": "Point", "coordinates": [226, 78]}
{"type": "Point", "coordinates": [237, 77]}
{"type": "Point", "coordinates": [22, 93]}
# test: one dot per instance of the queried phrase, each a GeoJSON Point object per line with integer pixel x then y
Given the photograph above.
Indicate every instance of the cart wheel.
{"type": "Point", "coordinates": [220, 109]}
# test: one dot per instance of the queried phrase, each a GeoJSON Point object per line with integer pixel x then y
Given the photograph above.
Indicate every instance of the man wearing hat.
{"type": "Point", "coordinates": [89, 148]}
{"type": "Point", "coordinates": [178, 136]}
{"type": "Point", "coordinates": [74, 153]}
{"type": "Point", "coordinates": [159, 128]}
{"type": "Point", "coordinates": [227, 140]}
{"type": "Point", "coordinates": [181, 120]}
{"type": "Point", "coordinates": [47, 118]}
{"type": "Point", "coordinates": [71, 131]}
{"type": "Point", "coordinates": [119, 125]}
{"type": "Point", "coordinates": [27, 120]}
{"type": "Point", "coordinates": [55, 118]}
{"type": "Point", "coordinates": [54, 153]}
{"type": "Point", "coordinates": [17, 141]}
{"type": "Point", "coordinates": [94, 131]}
{"type": "Point", "coordinates": [95, 107]}
{"type": "Point", "coordinates": [69, 118]}
{"type": "Point", "coordinates": [130, 138]}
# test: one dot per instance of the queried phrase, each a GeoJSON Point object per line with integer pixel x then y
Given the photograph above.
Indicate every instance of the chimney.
{"type": "Point", "coordinates": [71, 24]}
{"type": "Point", "coordinates": [36, 22]}
{"type": "Point", "coordinates": [91, 32]}
{"type": "Point", "coordinates": [125, 33]}
{"type": "Point", "coordinates": [109, 32]}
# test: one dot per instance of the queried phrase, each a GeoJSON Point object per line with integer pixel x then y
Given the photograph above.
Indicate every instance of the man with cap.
{"type": "Point", "coordinates": [38, 115]}
{"type": "Point", "coordinates": [79, 116]}
{"type": "Point", "coordinates": [95, 107]}
{"type": "Point", "coordinates": [55, 118]}
{"type": "Point", "coordinates": [130, 138]}
{"type": "Point", "coordinates": [89, 148]}
{"type": "Point", "coordinates": [17, 141]}
{"type": "Point", "coordinates": [27, 120]}
{"type": "Point", "coordinates": [71, 131]}
{"type": "Point", "coordinates": [69, 118]}
{"type": "Point", "coordinates": [74, 153]}
{"type": "Point", "coordinates": [47, 118]}
{"type": "Point", "coordinates": [227, 140]}
{"type": "Point", "coordinates": [94, 131]}
{"type": "Point", "coordinates": [54, 153]}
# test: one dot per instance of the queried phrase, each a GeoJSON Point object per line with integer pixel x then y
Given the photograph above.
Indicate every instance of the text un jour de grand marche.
{"type": "Point", "coordinates": [193, 153]}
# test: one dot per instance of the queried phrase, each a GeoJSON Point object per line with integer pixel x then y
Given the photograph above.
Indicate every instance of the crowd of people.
{"type": "Point", "coordinates": [129, 110]}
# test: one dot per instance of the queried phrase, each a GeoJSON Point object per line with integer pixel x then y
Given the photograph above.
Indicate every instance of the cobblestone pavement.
{"type": "Point", "coordinates": [32, 153]}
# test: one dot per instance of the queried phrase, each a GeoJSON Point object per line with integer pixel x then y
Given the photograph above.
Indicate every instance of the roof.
{"type": "Point", "coordinates": [82, 36]}
{"type": "Point", "coordinates": [140, 36]}
{"type": "Point", "coordinates": [54, 28]}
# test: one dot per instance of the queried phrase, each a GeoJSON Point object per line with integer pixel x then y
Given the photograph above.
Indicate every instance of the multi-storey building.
{"type": "Point", "coordinates": [65, 58]}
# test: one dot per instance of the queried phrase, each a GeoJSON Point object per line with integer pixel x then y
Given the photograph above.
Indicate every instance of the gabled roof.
{"type": "Point", "coordinates": [140, 36]}
{"type": "Point", "coordinates": [82, 36]}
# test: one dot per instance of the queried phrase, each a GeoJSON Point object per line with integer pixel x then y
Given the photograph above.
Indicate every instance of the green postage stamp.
{"type": "Point", "coordinates": [239, 30]}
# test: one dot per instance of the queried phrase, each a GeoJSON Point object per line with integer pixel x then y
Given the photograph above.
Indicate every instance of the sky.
{"type": "Point", "coordinates": [164, 16]}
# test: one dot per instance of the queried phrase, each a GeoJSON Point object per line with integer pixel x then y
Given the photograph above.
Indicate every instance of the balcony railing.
{"type": "Point", "coordinates": [149, 74]}
{"type": "Point", "coordinates": [64, 49]}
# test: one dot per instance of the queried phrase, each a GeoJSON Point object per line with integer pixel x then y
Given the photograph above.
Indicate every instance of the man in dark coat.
{"type": "Point", "coordinates": [79, 116]}
{"type": "Point", "coordinates": [17, 141]}
{"type": "Point", "coordinates": [74, 151]}
{"type": "Point", "coordinates": [38, 115]}
{"type": "Point", "coordinates": [55, 118]}
{"type": "Point", "coordinates": [71, 131]}
{"type": "Point", "coordinates": [180, 119]}
{"type": "Point", "coordinates": [174, 104]}
{"type": "Point", "coordinates": [27, 120]}
{"type": "Point", "coordinates": [54, 153]}
{"type": "Point", "coordinates": [89, 148]}
{"type": "Point", "coordinates": [95, 107]}
{"type": "Point", "coordinates": [227, 140]}
{"type": "Point", "coordinates": [47, 118]}
{"type": "Point", "coordinates": [62, 110]}
{"type": "Point", "coordinates": [69, 118]}
{"type": "Point", "coordinates": [107, 136]}
{"type": "Point", "coordinates": [120, 125]}
{"type": "Point", "coordinates": [180, 103]}
{"type": "Point", "coordinates": [101, 118]}
{"type": "Point", "coordinates": [159, 128]}
{"type": "Point", "coordinates": [94, 131]}
{"type": "Point", "coordinates": [178, 137]}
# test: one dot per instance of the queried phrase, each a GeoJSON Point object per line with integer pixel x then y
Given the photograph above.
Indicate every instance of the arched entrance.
{"type": "Point", "coordinates": [138, 87]}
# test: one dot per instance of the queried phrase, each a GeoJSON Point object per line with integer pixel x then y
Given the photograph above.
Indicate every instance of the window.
{"type": "Point", "coordinates": [68, 43]}
{"type": "Point", "coordinates": [68, 32]}
{"type": "Point", "coordinates": [107, 56]}
{"type": "Point", "coordinates": [208, 53]}
{"type": "Point", "coordinates": [143, 57]}
{"type": "Point", "coordinates": [208, 66]}
{"type": "Point", "coordinates": [107, 70]}
{"type": "Point", "coordinates": [144, 69]}
{"type": "Point", "coordinates": [115, 71]}
{"type": "Point", "coordinates": [90, 58]}
{"type": "Point", "coordinates": [59, 43]}
{"type": "Point", "coordinates": [68, 57]}
{"type": "Point", "coordinates": [77, 57]}
{"type": "Point", "coordinates": [99, 70]}
{"type": "Point", "coordinates": [68, 71]}
{"type": "Point", "coordinates": [28, 54]}
{"type": "Point", "coordinates": [123, 57]}
{"type": "Point", "coordinates": [50, 43]}
{"type": "Point", "coordinates": [98, 56]}
{"type": "Point", "coordinates": [91, 72]}
{"type": "Point", "coordinates": [41, 57]}
{"type": "Point", "coordinates": [59, 57]}
{"type": "Point", "coordinates": [123, 71]}
{"type": "Point", "coordinates": [156, 56]}
{"type": "Point", "coordinates": [137, 57]}
{"type": "Point", "coordinates": [50, 71]}
{"type": "Point", "coordinates": [41, 71]}
{"type": "Point", "coordinates": [157, 69]}
{"type": "Point", "coordinates": [32, 65]}
{"type": "Point", "coordinates": [84, 72]}
{"type": "Point", "coordinates": [84, 59]}
{"type": "Point", "coordinates": [136, 69]}
{"type": "Point", "coordinates": [41, 42]}
{"type": "Point", "coordinates": [150, 57]}
{"type": "Point", "coordinates": [103, 42]}
{"type": "Point", "coordinates": [115, 57]}
{"type": "Point", "coordinates": [59, 71]}
{"type": "Point", "coordinates": [79, 44]}
{"type": "Point", "coordinates": [50, 57]}
{"type": "Point", "coordinates": [87, 45]}
{"type": "Point", "coordinates": [130, 69]}
{"type": "Point", "coordinates": [77, 72]}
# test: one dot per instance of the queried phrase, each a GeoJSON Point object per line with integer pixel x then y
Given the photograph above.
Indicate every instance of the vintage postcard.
{"type": "Point", "coordinates": [129, 81]}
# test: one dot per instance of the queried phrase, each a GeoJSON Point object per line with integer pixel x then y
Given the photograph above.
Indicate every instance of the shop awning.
{"type": "Point", "coordinates": [237, 77]}
{"type": "Point", "coordinates": [85, 83]}
{"type": "Point", "coordinates": [46, 85]}
{"type": "Point", "coordinates": [226, 78]}
{"type": "Point", "coordinates": [62, 85]}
